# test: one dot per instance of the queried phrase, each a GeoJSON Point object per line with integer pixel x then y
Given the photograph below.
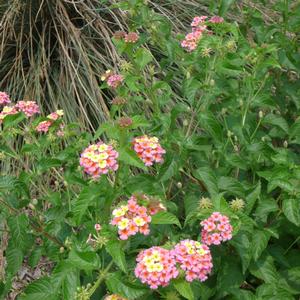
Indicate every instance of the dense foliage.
{"type": "Point", "coordinates": [189, 191]}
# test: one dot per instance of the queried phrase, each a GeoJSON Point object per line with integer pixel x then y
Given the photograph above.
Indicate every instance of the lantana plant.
{"type": "Point", "coordinates": [188, 190]}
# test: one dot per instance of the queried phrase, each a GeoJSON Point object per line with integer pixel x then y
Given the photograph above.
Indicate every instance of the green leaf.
{"type": "Point", "coordinates": [168, 169]}
{"type": "Point", "coordinates": [66, 277]}
{"type": "Point", "coordinates": [129, 157]}
{"type": "Point", "coordinates": [117, 284]}
{"type": "Point", "coordinates": [143, 57]}
{"type": "Point", "coordinates": [208, 178]}
{"type": "Point", "coordinates": [184, 289]}
{"type": "Point", "coordinates": [291, 209]}
{"type": "Point", "coordinates": [114, 248]}
{"type": "Point", "coordinates": [264, 269]}
{"type": "Point", "coordinates": [14, 259]}
{"type": "Point", "coordinates": [251, 198]}
{"type": "Point", "coordinates": [13, 120]}
{"type": "Point", "coordinates": [84, 260]}
{"type": "Point", "coordinates": [259, 242]}
{"type": "Point", "coordinates": [242, 244]}
{"type": "Point", "coordinates": [40, 289]}
{"type": "Point", "coordinates": [88, 196]}
{"type": "Point", "coordinates": [164, 217]}
{"type": "Point", "coordinates": [46, 163]}
{"type": "Point", "coordinates": [225, 5]}
{"type": "Point", "coordinates": [230, 275]}
{"type": "Point", "coordinates": [18, 226]}
{"type": "Point", "coordinates": [276, 121]}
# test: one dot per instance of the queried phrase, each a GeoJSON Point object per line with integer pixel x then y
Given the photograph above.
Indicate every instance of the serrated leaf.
{"type": "Point", "coordinates": [119, 285]}
{"type": "Point", "coordinates": [264, 269]}
{"type": "Point", "coordinates": [168, 169]}
{"type": "Point", "coordinates": [251, 198]}
{"type": "Point", "coordinates": [208, 178]}
{"type": "Point", "coordinates": [13, 120]}
{"type": "Point", "coordinates": [291, 209]}
{"type": "Point", "coordinates": [40, 289]}
{"type": "Point", "coordinates": [46, 163]}
{"type": "Point", "coordinates": [143, 57]}
{"type": "Point", "coordinates": [129, 157]}
{"type": "Point", "coordinates": [164, 217]}
{"type": "Point", "coordinates": [18, 226]}
{"type": "Point", "coordinates": [84, 260]}
{"type": "Point", "coordinates": [114, 248]}
{"type": "Point", "coordinates": [184, 289]}
{"type": "Point", "coordinates": [259, 242]}
{"type": "Point", "coordinates": [276, 121]}
{"type": "Point", "coordinates": [14, 258]}
{"type": "Point", "coordinates": [88, 196]}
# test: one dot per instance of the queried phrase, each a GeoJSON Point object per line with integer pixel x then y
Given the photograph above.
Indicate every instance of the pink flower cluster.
{"type": "Point", "coordinates": [4, 98]}
{"type": "Point", "coordinates": [216, 229]}
{"type": "Point", "coordinates": [216, 19]}
{"type": "Point", "coordinates": [98, 159]}
{"type": "Point", "coordinates": [199, 26]}
{"type": "Point", "coordinates": [131, 219]}
{"type": "Point", "coordinates": [192, 39]}
{"type": "Point", "coordinates": [131, 37]}
{"type": "Point", "coordinates": [194, 258]}
{"type": "Point", "coordinates": [7, 110]}
{"type": "Point", "coordinates": [156, 267]}
{"type": "Point", "coordinates": [29, 108]}
{"type": "Point", "coordinates": [114, 80]}
{"type": "Point", "coordinates": [45, 125]}
{"type": "Point", "coordinates": [148, 150]}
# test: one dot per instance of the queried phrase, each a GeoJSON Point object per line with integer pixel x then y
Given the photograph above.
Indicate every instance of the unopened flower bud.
{"type": "Point", "coordinates": [212, 82]}
{"type": "Point", "coordinates": [237, 204]}
{"type": "Point", "coordinates": [125, 122]}
{"type": "Point", "coordinates": [61, 250]}
{"type": "Point", "coordinates": [285, 144]}
{"type": "Point", "coordinates": [205, 203]}
{"type": "Point", "coordinates": [185, 122]}
{"type": "Point", "coordinates": [236, 148]}
{"type": "Point", "coordinates": [224, 111]}
{"type": "Point", "coordinates": [34, 201]}
{"type": "Point", "coordinates": [31, 206]}
{"type": "Point", "coordinates": [179, 185]}
{"type": "Point", "coordinates": [241, 102]}
{"type": "Point", "coordinates": [229, 133]}
{"type": "Point", "coordinates": [261, 114]}
{"type": "Point", "coordinates": [98, 227]}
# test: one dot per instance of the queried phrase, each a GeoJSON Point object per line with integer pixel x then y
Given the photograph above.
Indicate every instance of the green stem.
{"type": "Point", "coordinates": [99, 280]}
{"type": "Point", "coordinates": [288, 249]}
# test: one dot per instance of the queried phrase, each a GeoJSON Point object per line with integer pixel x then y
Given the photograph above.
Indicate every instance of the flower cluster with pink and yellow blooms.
{"type": "Point", "coordinates": [131, 219]}
{"type": "Point", "coordinates": [113, 80]}
{"type": "Point", "coordinates": [29, 108]}
{"type": "Point", "coordinates": [98, 159]}
{"type": "Point", "coordinates": [216, 229]}
{"type": "Point", "coordinates": [44, 126]}
{"type": "Point", "coordinates": [114, 297]}
{"type": "Point", "coordinates": [199, 26]}
{"type": "Point", "coordinates": [148, 150]}
{"type": "Point", "coordinates": [157, 266]}
{"type": "Point", "coordinates": [194, 258]}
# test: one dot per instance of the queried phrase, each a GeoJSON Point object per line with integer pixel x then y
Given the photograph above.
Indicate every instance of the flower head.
{"type": "Point", "coordinates": [205, 203]}
{"type": "Point", "coordinates": [156, 267]}
{"type": "Point", "coordinates": [131, 37]}
{"type": "Point", "coordinates": [131, 219]}
{"type": "Point", "coordinates": [98, 159]}
{"type": "Point", "coordinates": [237, 204]}
{"type": "Point", "coordinates": [43, 126]}
{"type": "Point", "coordinates": [112, 80]}
{"type": "Point", "coordinates": [216, 19]}
{"type": "Point", "coordinates": [216, 229]}
{"type": "Point", "coordinates": [4, 98]}
{"type": "Point", "coordinates": [7, 110]}
{"type": "Point", "coordinates": [56, 115]}
{"type": "Point", "coordinates": [29, 108]}
{"type": "Point", "coordinates": [194, 258]}
{"type": "Point", "coordinates": [148, 150]}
